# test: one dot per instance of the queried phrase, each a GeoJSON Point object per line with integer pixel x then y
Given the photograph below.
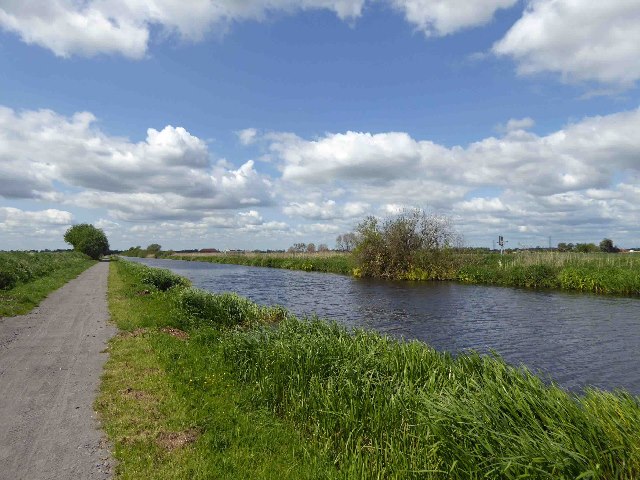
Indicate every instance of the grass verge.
{"type": "Point", "coordinates": [25, 296]}
{"type": "Point", "coordinates": [170, 403]}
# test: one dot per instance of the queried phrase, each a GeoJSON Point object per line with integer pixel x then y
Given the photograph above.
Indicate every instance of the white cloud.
{"type": "Point", "coordinates": [92, 27]}
{"type": "Point", "coordinates": [582, 40]}
{"type": "Point", "coordinates": [580, 156]}
{"type": "Point", "coordinates": [517, 124]}
{"type": "Point", "coordinates": [443, 17]}
{"type": "Point", "coordinates": [247, 136]}
{"type": "Point", "coordinates": [169, 175]}
{"type": "Point", "coordinates": [329, 210]}
{"type": "Point", "coordinates": [16, 225]}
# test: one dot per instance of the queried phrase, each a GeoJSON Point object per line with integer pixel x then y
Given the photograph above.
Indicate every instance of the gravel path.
{"type": "Point", "coordinates": [50, 366]}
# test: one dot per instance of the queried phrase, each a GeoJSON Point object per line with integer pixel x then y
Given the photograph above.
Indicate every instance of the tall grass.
{"type": "Point", "coordinates": [316, 262]}
{"type": "Point", "coordinates": [22, 267]}
{"type": "Point", "coordinates": [391, 409]}
{"type": "Point", "coordinates": [595, 273]}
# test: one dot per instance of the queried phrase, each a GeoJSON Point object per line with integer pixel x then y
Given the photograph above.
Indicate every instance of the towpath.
{"type": "Point", "coordinates": [50, 365]}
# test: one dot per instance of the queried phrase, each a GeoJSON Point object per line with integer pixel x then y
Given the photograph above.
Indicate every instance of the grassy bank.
{"type": "Point", "coordinates": [170, 402]}
{"type": "Point", "coordinates": [366, 406]}
{"type": "Point", "coordinates": [27, 278]}
{"type": "Point", "coordinates": [313, 262]}
{"type": "Point", "coordinates": [599, 273]}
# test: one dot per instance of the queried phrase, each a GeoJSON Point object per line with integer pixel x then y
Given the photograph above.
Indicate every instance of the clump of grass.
{"type": "Point", "coordinates": [391, 409]}
{"type": "Point", "coordinates": [199, 307]}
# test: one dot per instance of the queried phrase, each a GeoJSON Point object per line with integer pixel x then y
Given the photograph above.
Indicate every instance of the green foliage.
{"type": "Point", "coordinates": [87, 239]}
{"type": "Point", "coordinates": [409, 242]}
{"type": "Point", "coordinates": [332, 263]}
{"type": "Point", "coordinates": [586, 248]}
{"type": "Point", "coordinates": [606, 245]}
{"type": "Point", "coordinates": [224, 310]}
{"type": "Point", "coordinates": [23, 267]}
{"type": "Point", "coordinates": [383, 408]}
{"type": "Point", "coordinates": [155, 385]}
{"type": "Point", "coordinates": [27, 278]}
{"type": "Point", "coordinates": [391, 409]}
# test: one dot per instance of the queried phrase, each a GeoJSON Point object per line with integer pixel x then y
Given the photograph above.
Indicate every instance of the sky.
{"type": "Point", "coordinates": [257, 124]}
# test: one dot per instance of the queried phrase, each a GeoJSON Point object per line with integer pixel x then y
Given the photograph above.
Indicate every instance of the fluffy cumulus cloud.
{"type": "Point", "coordinates": [568, 177]}
{"type": "Point", "coordinates": [582, 155]}
{"type": "Point", "coordinates": [582, 40]}
{"type": "Point", "coordinates": [168, 175]}
{"type": "Point", "coordinates": [443, 17]}
{"type": "Point", "coordinates": [328, 210]}
{"type": "Point", "coordinates": [17, 224]}
{"type": "Point", "coordinates": [91, 27]}
{"type": "Point", "coordinates": [87, 28]}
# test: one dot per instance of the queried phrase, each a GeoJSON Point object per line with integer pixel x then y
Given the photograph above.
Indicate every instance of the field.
{"type": "Point", "coordinates": [26, 278]}
{"type": "Point", "coordinates": [350, 404]}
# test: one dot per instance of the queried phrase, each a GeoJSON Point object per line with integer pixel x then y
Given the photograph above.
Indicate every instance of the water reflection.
{"type": "Point", "coordinates": [578, 339]}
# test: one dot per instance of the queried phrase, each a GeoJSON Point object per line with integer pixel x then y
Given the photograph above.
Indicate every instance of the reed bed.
{"type": "Point", "coordinates": [383, 408]}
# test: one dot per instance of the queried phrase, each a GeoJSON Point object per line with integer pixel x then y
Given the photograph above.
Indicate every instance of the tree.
{"type": "Point", "coordinates": [346, 242]}
{"type": "Point", "coordinates": [311, 248]}
{"type": "Point", "coordinates": [323, 247]}
{"type": "Point", "coordinates": [398, 244]}
{"type": "Point", "coordinates": [586, 247]}
{"type": "Point", "coordinates": [606, 245]}
{"type": "Point", "coordinates": [154, 248]}
{"type": "Point", "coordinates": [87, 239]}
{"type": "Point", "coordinates": [297, 248]}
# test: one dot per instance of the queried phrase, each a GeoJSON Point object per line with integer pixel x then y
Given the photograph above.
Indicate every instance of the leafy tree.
{"type": "Point", "coordinates": [606, 245]}
{"type": "Point", "coordinates": [586, 247]}
{"type": "Point", "coordinates": [154, 248]}
{"type": "Point", "coordinates": [87, 239]}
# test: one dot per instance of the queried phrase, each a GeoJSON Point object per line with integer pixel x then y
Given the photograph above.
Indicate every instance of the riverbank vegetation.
{"type": "Point", "coordinates": [251, 392]}
{"type": "Point", "coordinates": [26, 278]}
{"type": "Point", "coordinates": [328, 262]}
{"type": "Point", "coordinates": [417, 246]}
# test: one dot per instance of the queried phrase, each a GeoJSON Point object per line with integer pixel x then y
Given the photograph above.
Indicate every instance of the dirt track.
{"type": "Point", "coordinates": [50, 366]}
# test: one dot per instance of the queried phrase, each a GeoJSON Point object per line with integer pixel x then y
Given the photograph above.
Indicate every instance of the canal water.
{"type": "Point", "coordinates": [578, 340]}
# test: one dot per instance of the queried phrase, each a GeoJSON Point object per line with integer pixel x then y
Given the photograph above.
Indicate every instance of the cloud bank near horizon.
{"type": "Point", "coordinates": [575, 181]}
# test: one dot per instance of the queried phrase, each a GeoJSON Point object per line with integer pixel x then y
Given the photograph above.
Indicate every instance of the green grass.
{"type": "Point", "coordinates": [600, 273]}
{"type": "Point", "coordinates": [172, 407]}
{"type": "Point", "coordinates": [364, 406]}
{"type": "Point", "coordinates": [29, 277]}
{"type": "Point", "coordinates": [316, 262]}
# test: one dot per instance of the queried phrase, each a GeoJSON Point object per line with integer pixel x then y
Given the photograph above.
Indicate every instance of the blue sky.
{"type": "Point", "coordinates": [263, 123]}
